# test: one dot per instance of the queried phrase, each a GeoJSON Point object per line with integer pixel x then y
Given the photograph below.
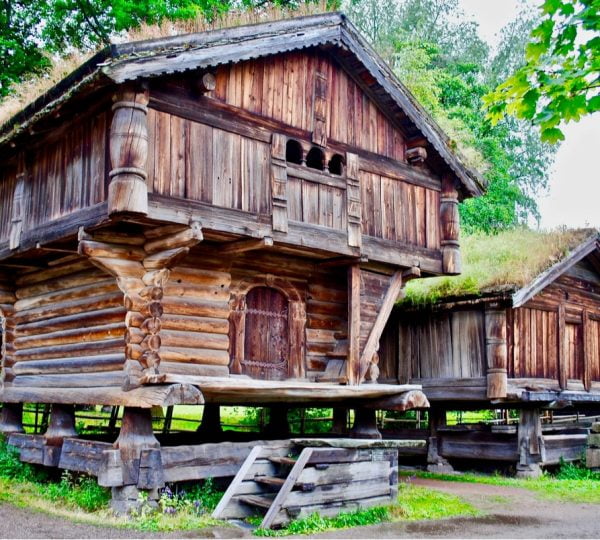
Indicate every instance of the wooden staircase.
{"type": "Point", "coordinates": [327, 480]}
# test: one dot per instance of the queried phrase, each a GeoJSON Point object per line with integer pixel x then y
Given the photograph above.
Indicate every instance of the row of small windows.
{"type": "Point", "coordinates": [315, 158]}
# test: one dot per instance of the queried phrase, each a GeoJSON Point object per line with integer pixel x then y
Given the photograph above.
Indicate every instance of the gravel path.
{"type": "Point", "coordinates": [509, 513]}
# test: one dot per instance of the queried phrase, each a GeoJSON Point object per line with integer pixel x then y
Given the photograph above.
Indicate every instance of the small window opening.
{"type": "Point", "coordinates": [293, 152]}
{"type": "Point", "coordinates": [315, 159]}
{"type": "Point", "coordinates": [336, 164]}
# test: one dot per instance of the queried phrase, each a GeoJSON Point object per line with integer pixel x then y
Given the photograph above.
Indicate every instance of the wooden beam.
{"type": "Point", "coordinates": [414, 399]}
{"type": "Point", "coordinates": [148, 396]}
{"type": "Point", "coordinates": [342, 261]}
{"type": "Point", "coordinates": [372, 344]}
{"type": "Point", "coordinates": [353, 362]}
{"type": "Point", "coordinates": [241, 246]}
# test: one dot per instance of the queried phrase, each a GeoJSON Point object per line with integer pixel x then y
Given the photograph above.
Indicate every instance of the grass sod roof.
{"type": "Point", "coordinates": [497, 265]}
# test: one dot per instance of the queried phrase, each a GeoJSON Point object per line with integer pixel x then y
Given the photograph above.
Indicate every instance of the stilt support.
{"type": "Point", "coordinates": [278, 426]}
{"type": "Point", "coordinates": [435, 462]}
{"type": "Point", "coordinates": [365, 424]}
{"type": "Point", "coordinates": [210, 428]}
{"type": "Point", "coordinates": [11, 418]}
{"type": "Point", "coordinates": [340, 421]}
{"type": "Point", "coordinates": [532, 451]}
{"type": "Point", "coordinates": [62, 425]}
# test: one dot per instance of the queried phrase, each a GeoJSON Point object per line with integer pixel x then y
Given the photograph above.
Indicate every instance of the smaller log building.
{"type": "Point", "coordinates": [528, 345]}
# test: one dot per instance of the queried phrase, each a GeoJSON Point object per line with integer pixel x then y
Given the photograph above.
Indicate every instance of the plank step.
{"type": "Point", "coordinates": [283, 460]}
{"type": "Point", "coordinates": [261, 501]}
{"type": "Point", "coordinates": [270, 480]}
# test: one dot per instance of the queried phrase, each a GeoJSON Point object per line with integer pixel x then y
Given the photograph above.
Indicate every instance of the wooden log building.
{"type": "Point", "coordinates": [223, 218]}
{"type": "Point", "coordinates": [531, 346]}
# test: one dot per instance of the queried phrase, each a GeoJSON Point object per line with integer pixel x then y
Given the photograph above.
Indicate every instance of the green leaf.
{"type": "Point", "coordinates": [593, 104]}
{"type": "Point", "coordinates": [551, 6]}
{"type": "Point", "coordinates": [552, 135]}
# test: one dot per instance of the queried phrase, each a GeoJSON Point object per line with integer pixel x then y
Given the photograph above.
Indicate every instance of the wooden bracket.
{"type": "Point", "coordinates": [241, 246]}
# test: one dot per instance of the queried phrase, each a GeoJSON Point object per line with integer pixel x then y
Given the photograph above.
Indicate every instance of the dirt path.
{"type": "Point", "coordinates": [509, 513]}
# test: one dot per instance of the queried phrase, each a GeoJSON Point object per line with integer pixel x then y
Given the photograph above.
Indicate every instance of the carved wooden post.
{"type": "Point", "coordinates": [353, 361]}
{"type": "Point", "coordinates": [531, 446]}
{"type": "Point", "coordinates": [495, 339]}
{"type": "Point", "coordinates": [237, 323]}
{"type": "Point", "coordinates": [16, 227]}
{"type": "Point", "coordinates": [319, 134]}
{"type": "Point", "coordinates": [279, 183]}
{"type": "Point", "coordinates": [563, 347]}
{"type": "Point", "coordinates": [450, 227]}
{"type": "Point", "coordinates": [297, 323]}
{"type": "Point", "coordinates": [353, 201]}
{"type": "Point", "coordinates": [127, 191]}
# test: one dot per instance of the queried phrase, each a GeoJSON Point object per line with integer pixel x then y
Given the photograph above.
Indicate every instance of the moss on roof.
{"type": "Point", "coordinates": [500, 263]}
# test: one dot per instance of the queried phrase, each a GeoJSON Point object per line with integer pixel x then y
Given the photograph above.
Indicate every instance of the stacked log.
{"type": "Point", "coordinates": [592, 454]}
{"type": "Point", "coordinates": [67, 328]}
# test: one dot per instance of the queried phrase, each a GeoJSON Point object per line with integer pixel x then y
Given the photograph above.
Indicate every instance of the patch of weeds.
{"type": "Point", "coordinates": [316, 523]}
{"type": "Point", "coordinates": [78, 490]}
{"type": "Point", "coordinates": [14, 469]}
{"type": "Point", "coordinates": [575, 471]}
{"type": "Point", "coordinates": [417, 503]}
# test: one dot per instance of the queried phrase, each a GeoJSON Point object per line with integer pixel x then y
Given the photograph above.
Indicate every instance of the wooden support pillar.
{"type": "Point", "coordinates": [450, 226]}
{"type": "Point", "coordinates": [353, 361]}
{"type": "Point", "coordinates": [136, 434]}
{"type": "Point", "coordinates": [365, 424]}
{"type": "Point", "coordinates": [11, 418]}
{"type": "Point", "coordinates": [563, 347]}
{"type": "Point", "coordinates": [353, 201]}
{"type": "Point", "coordinates": [279, 183]}
{"type": "Point", "coordinates": [127, 191]}
{"type": "Point", "coordinates": [496, 351]}
{"type": "Point", "coordinates": [435, 462]}
{"type": "Point", "coordinates": [532, 451]}
{"type": "Point", "coordinates": [210, 428]}
{"type": "Point", "coordinates": [587, 350]}
{"type": "Point", "coordinates": [278, 426]}
{"type": "Point", "coordinates": [61, 426]}
{"type": "Point", "coordinates": [340, 421]}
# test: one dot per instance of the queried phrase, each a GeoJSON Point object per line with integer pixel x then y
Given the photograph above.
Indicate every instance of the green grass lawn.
{"type": "Point", "coordinates": [571, 484]}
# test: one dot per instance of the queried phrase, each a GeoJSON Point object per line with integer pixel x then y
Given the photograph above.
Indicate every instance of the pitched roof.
{"type": "Point", "coordinates": [152, 58]}
{"type": "Point", "coordinates": [515, 265]}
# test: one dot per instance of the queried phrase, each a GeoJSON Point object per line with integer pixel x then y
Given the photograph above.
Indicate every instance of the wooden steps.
{"type": "Point", "coordinates": [327, 480]}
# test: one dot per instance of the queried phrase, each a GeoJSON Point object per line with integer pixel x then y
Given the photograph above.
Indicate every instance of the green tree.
{"type": "Point", "coordinates": [560, 80]}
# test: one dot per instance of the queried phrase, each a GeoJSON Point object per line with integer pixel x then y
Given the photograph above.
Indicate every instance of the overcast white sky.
{"type": "Point", "coordinates": [574, 197]}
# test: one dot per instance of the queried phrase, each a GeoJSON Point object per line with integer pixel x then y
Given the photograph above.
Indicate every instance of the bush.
{"type": "Point", "coordinates": [79, 490]}
{"type": "Point", "coordinates": [12, 468]}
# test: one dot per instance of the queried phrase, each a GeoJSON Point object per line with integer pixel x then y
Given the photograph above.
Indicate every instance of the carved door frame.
{"type": "Point", "coordinates": [296, 321]}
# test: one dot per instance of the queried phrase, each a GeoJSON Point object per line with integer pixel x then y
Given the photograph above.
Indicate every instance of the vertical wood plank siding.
{"type": "Point", "coordinates": [61, 177]}
{"type": "Point", "coordinates": [67, 175]}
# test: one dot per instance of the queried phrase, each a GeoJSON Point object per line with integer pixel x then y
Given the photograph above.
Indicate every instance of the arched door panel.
{"type": "Point", "coordinates": [266, 335]}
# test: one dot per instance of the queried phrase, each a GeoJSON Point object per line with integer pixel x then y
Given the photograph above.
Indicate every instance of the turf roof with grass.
{"type": "Point", "coordinates": [498, 264]}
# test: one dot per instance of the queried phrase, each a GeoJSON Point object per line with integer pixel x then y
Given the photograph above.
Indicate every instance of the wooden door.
{"type": "Point", "coordinates": [574, 337]}
{"type": "Point", "coordinates": [266, 335]}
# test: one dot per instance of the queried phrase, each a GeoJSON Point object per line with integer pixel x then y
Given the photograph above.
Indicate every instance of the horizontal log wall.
{"type": "Point", "coordinates": [195, 161]}
{"type": "Point", "coordinates": [69, 327]}
{"type": "Point", "coordinates": [194, 325]}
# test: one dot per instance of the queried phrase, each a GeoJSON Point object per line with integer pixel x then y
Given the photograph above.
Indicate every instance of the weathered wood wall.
{"type": "Point", "coordinates": [435, 345]}
{"type": "Point", "coordinates": [68, 327]}
{"type": "Point", "coordinates": [58, 176]}
{"type": "Point", "coordinates": [538, 348]}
